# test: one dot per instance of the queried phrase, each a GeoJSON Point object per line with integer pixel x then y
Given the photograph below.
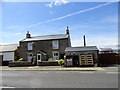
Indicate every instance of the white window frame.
{"type": "Point", "coordinates": [30, 45]}
{"type": "Point", "coordinates": [56, 58]}
{"type": "Point", "coordinates": [55, 44]}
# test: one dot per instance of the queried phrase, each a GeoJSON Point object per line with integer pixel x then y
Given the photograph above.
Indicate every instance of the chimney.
{"type": "Point", "coordinates": [67, 30]}
{"type": "Point", "coordinates": [84, 41]}
{"type": "Point", "coordinates": [28, 35]}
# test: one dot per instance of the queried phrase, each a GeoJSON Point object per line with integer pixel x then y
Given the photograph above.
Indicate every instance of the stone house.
{"type": "Point", "coordinates": [41, 48]}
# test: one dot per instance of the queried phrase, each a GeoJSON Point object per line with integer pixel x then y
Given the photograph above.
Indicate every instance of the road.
{"type": "Point", "coordinates": [61, 79]}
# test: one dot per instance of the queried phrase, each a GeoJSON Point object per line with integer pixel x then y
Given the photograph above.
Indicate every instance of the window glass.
{"type": "Point", "coordinates": [55, 55]}
{"type": "Point", "coordinates": [55, 44]}
{"type": "Point", "coordinates": [30, 46]}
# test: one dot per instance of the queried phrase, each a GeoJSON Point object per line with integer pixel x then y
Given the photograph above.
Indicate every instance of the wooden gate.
{"type": "Point", "coordinates": [86, 59]}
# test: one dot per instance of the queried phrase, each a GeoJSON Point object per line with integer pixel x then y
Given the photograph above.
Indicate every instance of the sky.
{"type": "Point", "coordinates": [98, 21]}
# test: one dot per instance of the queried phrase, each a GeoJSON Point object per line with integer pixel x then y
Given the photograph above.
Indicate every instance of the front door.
{"type": "Point", "coordinates": [76, 60]}
{"type": "Point", "coordinates": [38, 57]}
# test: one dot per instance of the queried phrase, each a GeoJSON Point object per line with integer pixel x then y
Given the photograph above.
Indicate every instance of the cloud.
{"type": "Point", "coordinates": [100, 42]}
{"type": "Point", "coordinates": [102, 39]}
{"type": "Point", "coordinates": [56, 3]}
{"type": "Point", "coordinates": [69, 15]}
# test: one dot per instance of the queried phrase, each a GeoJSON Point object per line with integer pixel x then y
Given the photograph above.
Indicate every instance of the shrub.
{"type": "Point", "coordinates": [50, 60]}
{"type": "Point", "coordinates": [61, 62]}
{"type": "Point", "coordinates": [21, 59]}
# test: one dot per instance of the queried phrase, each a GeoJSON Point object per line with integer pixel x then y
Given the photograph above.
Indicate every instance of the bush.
{"type": "Point", "coordinates": [21, 59]}
{"type": "Point", "coordinates": [61, 62]}
{"type": "Point", "coordinates": [50, 60]}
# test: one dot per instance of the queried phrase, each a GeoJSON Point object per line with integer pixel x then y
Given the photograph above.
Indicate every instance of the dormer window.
{"type": "Point", "coordinates": [30, 46]}
{"type": "Point", "coordinates": [55, 44]}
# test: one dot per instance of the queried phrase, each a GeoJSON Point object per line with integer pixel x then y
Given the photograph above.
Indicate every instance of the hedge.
{"type": "Point", "coordinates": [48, 63]}
{"type": "Point", "coordinates": [21, 63]}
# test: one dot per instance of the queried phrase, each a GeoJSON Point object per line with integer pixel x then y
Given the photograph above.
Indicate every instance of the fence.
{"type": "Point", "coordinates": [109, 58]}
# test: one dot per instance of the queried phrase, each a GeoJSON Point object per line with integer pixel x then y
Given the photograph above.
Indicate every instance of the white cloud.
{"type": "Point", "coordinates": [56, 3]}
{"type": "Point", "coordinates": [69, 15]}
{"type": "Point", "coordinates": [105, 41]}
{"type": "Point", "coordinates": [99, 43]}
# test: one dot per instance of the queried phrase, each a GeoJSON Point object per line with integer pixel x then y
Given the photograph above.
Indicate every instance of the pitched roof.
{"type": "Point", "coordinates": [87, 48]}
{"type": "Point", "coordinates": [105, 49]}
{"type": "Point", "coordinates": [8, 48]}
{"type": "Point", "coordinates": [46, 37]}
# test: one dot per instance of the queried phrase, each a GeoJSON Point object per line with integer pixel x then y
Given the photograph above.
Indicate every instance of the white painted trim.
{"type": "Point", "coordinates": [40, 57]}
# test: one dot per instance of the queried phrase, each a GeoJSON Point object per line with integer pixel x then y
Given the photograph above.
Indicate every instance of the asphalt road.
{"type": "Point", "coordinates": [61, 79]}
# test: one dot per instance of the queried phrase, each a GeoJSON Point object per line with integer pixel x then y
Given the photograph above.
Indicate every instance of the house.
{"type": "Point", "coordinates": [7, 53]}
{"type": "Point", "coordinates": [41, 48]}
{"type": "Point", "coordinates": [81, 56]}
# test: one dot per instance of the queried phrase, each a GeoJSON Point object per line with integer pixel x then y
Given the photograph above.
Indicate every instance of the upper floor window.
{"type": "Point", "coordinates": [55, 44]}
{"type": "Point", "coordinates": [30, 46]}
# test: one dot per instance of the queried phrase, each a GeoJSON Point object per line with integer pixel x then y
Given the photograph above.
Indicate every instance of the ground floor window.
{"type": "Point", "coordinates": [30, 57]}
{"type": "Point", "coordinates": [56, 55]}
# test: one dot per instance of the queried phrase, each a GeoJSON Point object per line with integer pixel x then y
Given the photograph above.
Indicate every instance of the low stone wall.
{"type": "Point", "coordinates": [48, 63]}
{"type": "Point", "coordinates": [17, 64]}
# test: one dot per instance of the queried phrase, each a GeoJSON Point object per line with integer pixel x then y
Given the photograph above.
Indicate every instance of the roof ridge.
{"type": "Point", "coordinates": [82, 46]}
{"type": "Point", "coordinates": [48, 35]}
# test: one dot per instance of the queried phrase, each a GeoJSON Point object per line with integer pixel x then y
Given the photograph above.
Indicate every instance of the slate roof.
{"type": "Point", "coordinates": [46, 37]}
{"type": "Point", "coordinates": [8, 48]}
{"type": "Point", "coordinates": [87, 48]}
{"type": "Point", "coordinates": [105, 49]}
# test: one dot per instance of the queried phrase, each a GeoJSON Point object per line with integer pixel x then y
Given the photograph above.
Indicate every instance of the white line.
{"type": "Point", "coordinates": [112, 67]}
{"type": "Point", "coordinates": [6, 87]}
{"type": "Point", "coordinates": [112, 72]}
{"type": "Point", "coordinates": [86, 72]}
{"type": "Point", "coordinates": [42, 72]}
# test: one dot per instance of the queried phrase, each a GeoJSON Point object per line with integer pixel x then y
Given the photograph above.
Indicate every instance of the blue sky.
{"type": "Point", "coordinates": [97, 20]}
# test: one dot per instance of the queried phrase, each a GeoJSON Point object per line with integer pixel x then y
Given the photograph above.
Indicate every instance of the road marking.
{"type": "Point", "coordinates": [112, 72]}
{"type": "Point", "coordinates": [42, 72]}
{"type": "Point", "coordinates": [86, 72]}
{"type": "Point", "coordinates": [6, 87]}
{"type": "Point", "coordinates": [112, 67]}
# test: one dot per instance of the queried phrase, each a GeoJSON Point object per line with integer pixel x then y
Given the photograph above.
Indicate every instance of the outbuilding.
{"type": "Point", "coordinates": [81, 56]}
{"type": "Point", "coordinates": [7, 53]}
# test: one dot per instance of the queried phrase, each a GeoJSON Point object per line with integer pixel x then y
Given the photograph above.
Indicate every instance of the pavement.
{"type": "Point", "coordinates": [50, 68]}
